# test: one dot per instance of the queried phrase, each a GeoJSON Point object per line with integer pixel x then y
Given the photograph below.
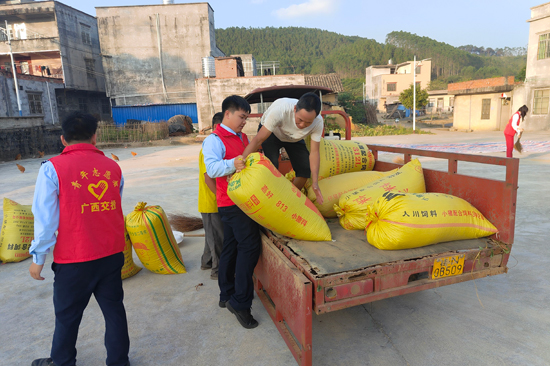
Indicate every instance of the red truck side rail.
{"type": "Point", "coordinates": [291, 289]}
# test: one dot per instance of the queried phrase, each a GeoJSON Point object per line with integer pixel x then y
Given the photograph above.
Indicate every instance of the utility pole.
{"type": "Point", "coordinates": [414, 93]}
{"type": "Point", "coordinates": [14, 71]}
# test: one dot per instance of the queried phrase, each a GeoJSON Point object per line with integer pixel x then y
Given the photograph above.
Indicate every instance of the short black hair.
{"type": "Point", "coordinates": [217, 119]}
{"type": "Point", "coordinates": [309, 102]}
{"type": "Point", "coordinates": [233, 103]}
{"type": "Point", "coordinates": [79, 126]}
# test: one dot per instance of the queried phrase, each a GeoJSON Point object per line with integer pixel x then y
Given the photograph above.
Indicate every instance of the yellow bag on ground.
{"type": "Point", "coordinates": [343, 156]}
{"type": "Point", "coordinates": [272, 201]}
{"type": "Point", "coordinates": [153, 240]}
{"type": "Point", "coordinates": [333, 187]}
{"type": "Point", "coordinates": [17, 232]}
{"type": "Point", "coordinates": [352, 206]}
{"type": "Point", "coordinates": [129, 268]}
{"type": "Point", "coordinates": [403, 221]}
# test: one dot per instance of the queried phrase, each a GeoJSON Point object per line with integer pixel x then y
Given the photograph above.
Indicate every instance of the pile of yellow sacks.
{"type": "Point", "coordinates": [361, 198]}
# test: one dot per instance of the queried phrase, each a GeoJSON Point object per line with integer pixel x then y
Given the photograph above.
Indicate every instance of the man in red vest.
{"type": "Point", "coordinates": [78, 194]}
{"type": "Point", "coordinates": [241, 243]}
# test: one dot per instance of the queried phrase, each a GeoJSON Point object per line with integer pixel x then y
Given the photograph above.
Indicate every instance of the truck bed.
{"type": "Point", "coordinates": [350, 251]}
{"type": "Point", "coordinates": [295, 279]}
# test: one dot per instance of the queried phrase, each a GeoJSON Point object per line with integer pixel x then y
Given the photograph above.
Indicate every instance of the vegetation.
{"type": "Point", "coordinates": [353, 108]}
{"type": "Point", "coordinates": [407, 97]}
{"type": "Point", "coordinates": [379, 130]}
{"type": "Point", "coordinates": [131, 132]}
{"type": "Point", "coordinates": [316, 51]}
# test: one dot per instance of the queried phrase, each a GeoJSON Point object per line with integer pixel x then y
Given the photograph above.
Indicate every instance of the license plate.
{"type": "Point", "coordinates": [448, 266]}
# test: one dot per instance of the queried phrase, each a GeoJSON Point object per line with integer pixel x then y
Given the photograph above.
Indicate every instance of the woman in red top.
{"type": "Point", "coordinates": [513, 127]}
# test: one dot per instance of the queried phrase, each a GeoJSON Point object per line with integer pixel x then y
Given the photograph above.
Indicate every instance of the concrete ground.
{"type": "Point", "coordinates": [500, 320]}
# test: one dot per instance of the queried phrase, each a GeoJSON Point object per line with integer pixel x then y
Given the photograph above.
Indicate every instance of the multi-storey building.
{"type": "Point", "coordinates": [53, 40]}
{"type": "Point", "coordinates": [153, 53]}
{"type": "Point", "coordinates": [535, 92]}
{"type": "Point", "coordinates": [384, 83]}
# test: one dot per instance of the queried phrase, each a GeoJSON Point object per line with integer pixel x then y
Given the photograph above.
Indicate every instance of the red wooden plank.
{"type": "Point", "coordinates": [286, 295]}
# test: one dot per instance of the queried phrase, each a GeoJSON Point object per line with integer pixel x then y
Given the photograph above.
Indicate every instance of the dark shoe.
{"type": "Point", "coordinates": [214, 276]}
{"type": "Point", "coordinates": [222, 303]}
{"type": "Point", "coordinates": [43, 362]}
{"type": "Point", "coordinates": [204, 268]}
{"type": "Point", "coordinates": [243, 316]}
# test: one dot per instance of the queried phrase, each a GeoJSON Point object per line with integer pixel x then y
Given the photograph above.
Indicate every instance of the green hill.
{"type": "Point", "coordinates": [316, 51]}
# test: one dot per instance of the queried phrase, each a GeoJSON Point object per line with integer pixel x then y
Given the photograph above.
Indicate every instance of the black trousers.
{"type": "Point", "coordinates": [240, 253]}
{"type": "Point", "coordinates": [297, 153]}
{"type": "Point", "coordinates": [74, 284]}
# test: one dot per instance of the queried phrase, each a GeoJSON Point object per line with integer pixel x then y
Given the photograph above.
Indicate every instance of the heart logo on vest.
{"type": "Point", "coordinates": [101, 186]}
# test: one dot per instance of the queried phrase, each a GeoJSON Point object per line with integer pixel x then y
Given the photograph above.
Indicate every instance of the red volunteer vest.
{"type": "Point", "coordinates": [509, 130]}
{"type": "Point", "coordinates": [234, 146]}
{"type": "Point", "coordinates": [91, 223]}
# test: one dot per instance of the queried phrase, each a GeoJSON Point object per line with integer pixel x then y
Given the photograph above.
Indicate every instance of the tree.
{"type": "Point", "coordinates": [521, 75]}
{"type": "Point", "coordinates": [352, 107]}
{"type": "Point", "coordinates": [406, 97]}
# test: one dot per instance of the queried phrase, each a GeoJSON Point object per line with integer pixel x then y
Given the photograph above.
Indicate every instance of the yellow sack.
{"type": "Point", "coordinates": [343, 156]}
{"type": "Point", "coordinates": [352, 206]}
{"type": "Point", "coordinates": [403, 221]}
{"type": "Point", "coordinates": [333, 187]}
{"type": "Point", "coordinates": [153, 240]}
{"type": "Point", "coordinates": [290, 175]}
{"type": "Point", "coordinates": [272, 201]}
{"type": "Point", "coordinates": [17, 232]}
{"type": "Point", "coordinates": [129, 268]}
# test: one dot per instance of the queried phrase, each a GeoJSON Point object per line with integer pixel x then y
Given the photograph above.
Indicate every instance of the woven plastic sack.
{"type": "Point", "coordinates": [17, 232]}
{"type": "Point", "coordinates": [153, 240]}
{"type": "Point", "coordinates": [352, 206]}
{"type": "Point", "coordinates": [272, 201]}
{"type": "Point", "coordinates": [333, 187]}
{"type": "Point", "coordinates": [404, 221]}
{"type": "Point", "coordinates": [129, 268]}
{"type": "Point", "coordinates": [290, 175]}
{"type": "Point", "coordinates": [343, 156]}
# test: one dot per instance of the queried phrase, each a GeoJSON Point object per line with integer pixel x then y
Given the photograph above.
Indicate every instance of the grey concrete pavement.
{"type": "Point", "coordinates": [500, 320]}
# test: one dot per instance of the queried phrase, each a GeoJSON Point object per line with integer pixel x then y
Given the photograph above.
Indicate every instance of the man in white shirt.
{"type": "Point", "coordinates": [285, 124]}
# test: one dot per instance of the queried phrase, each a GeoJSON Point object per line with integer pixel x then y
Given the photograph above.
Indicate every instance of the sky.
{"type": "Point", "coordinates": [482, 23]}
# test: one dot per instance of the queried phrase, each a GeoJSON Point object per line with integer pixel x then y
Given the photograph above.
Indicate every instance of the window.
{"type": "Point", "coordinates": [60, 100]}
{"type": "Point", "coordinates": [82, 105]}
{"type": "Point", "coordinates": [90, 68]}
{"type": "Point", "coordinates": [418, 69]}
{"type": "Point", "coordinates": [485, 108]}
{"type": "Point", "coordinates": [105, 106]}
{"type": "Point", "coordinates": [85, 34]}
{"type": "Point", "coordinates": [35, 103]}
{"type": "Point", "coordinates": [418, 85]}
{"type": "Point", "coordinates": [540, 101]}
{"type": "Point", "coordinates": [544, 47]}
{"type": "Point", "coordinates": [392, 86]}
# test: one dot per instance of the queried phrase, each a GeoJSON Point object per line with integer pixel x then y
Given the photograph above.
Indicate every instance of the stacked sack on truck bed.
{"type": "Point", "coordinates": [352, 206]}
{"type": "Point", "coordinates": [404, 221]}
{"type": "Point", "coordinates": [392, 206]}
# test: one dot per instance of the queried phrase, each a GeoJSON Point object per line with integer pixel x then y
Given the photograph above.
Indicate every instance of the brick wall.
{"type": "Point", "coordinates": [482, 83]}
{"type": "Point", "coordinates": [226, 67]}
{"type": "Point", "coordinates": [29, 141]}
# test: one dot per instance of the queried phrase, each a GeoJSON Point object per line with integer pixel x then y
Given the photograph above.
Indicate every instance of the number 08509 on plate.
{"type": "Point", "coordinates": [448, 266]}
